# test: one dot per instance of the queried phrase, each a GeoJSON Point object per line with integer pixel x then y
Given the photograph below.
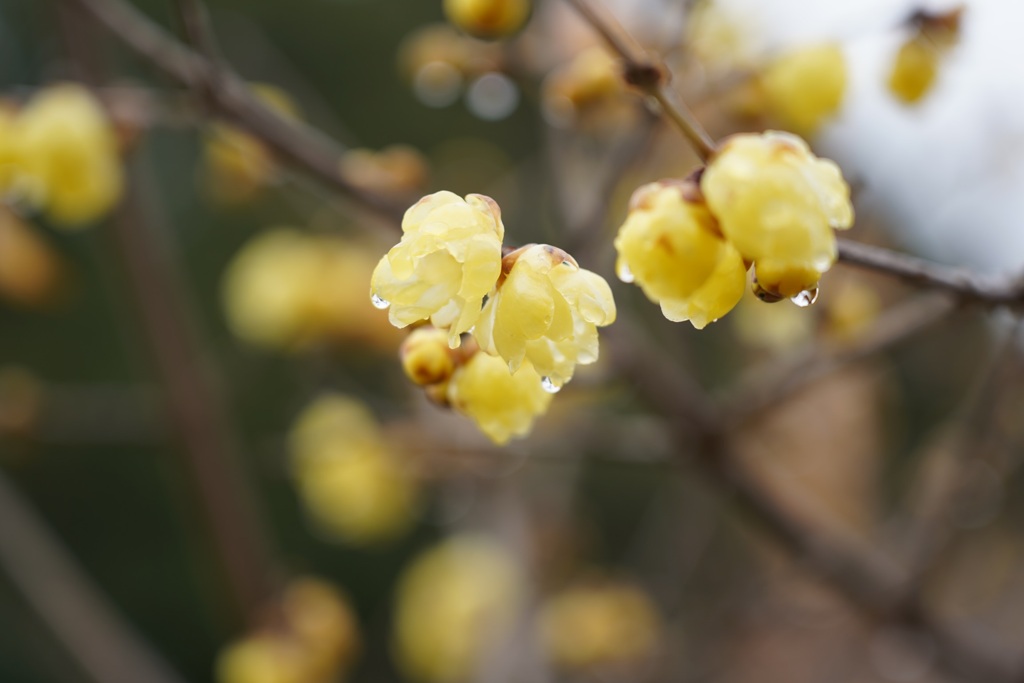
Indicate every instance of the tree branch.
{"type": "Point", "coordinates": [302, 146]}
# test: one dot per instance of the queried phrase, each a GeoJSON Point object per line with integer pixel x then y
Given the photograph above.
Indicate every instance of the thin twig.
{"type": "Point", "coordinates": [649, 76]}
{"type": "Point", "coordinates": [95, 635]}
{"type": "Point", "coordinates": [293, 142]}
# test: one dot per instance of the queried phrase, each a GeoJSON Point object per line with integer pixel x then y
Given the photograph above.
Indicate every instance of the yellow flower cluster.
{"type": "Point", "coordinates": [453, 602]}
{"type": "Point", "coordinates": [598, 625]}
{"type": "Point", "coordinates": [60, 153]}
{"type": "Point", "coordinates": [533, 313]}
{"type": "Point", "coordinates": [314, 638]}
{"type": "Point", "coordinates": [763, 199]}
{"type": "Point", "coordinates": [287, 289]}
{"type": "Point", "coordinates": [352, 483]}
{"type": "Point", "coordinates": [489, 19]}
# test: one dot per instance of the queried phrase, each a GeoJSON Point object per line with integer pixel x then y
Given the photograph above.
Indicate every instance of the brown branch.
{"type": "Point", "coordinates": [73, 608]}
{"type": "Point", "coordinates": [302, 146]}
{"type": "Point", "coordinates": [964, 284]}
{"type": "Point", "coordinates": [766, 387]}
{"type": "Point", "coordinates": [195, 410]}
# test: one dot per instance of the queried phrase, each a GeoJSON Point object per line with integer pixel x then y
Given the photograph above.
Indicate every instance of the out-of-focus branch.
{"type": "Point", "coordinates": [195, 410]}
{"type": "Point", "coordinates": [964, 284]}
{"type": "Point", "coordinates": [106, 648]}
{"type": "Point", "coordinates": [293, 142]}
{"type": "Point", "coordinates": [767, 387]}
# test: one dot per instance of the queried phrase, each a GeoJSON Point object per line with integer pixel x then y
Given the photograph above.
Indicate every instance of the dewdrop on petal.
{"type": "Point", "coordinates": [803, 88]}
{"type": "Point", "coordinates": [453, 603]}
{"type": "Point", "coordinates": [671, 247]}
{"type": "Point", "coordinates": [778, 204]}
{"type": "Point", "coordinates": [546, 310]}
{"type": "Point", "coordinates": [503, 405]}
{"type": "Point", "coordinates": [488, 19]}
{"type": "Point", "coordinates": [599, 625]}
{"type": "Point", "coordinates": [68, 155]}
{"type": "Point", "coordinates": [351, 481]}
{"type": "Point", "coordinates": [447, 262]}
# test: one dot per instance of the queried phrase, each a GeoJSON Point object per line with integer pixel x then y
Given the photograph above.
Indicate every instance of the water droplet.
{"type": "Point", "coordinates": [549, 385]}
{"type": "Point", "coordinates": [379, 302]}
{"type": "Point", "coordinates": [624, 273]}
{"type": "Point", "coordinates": [806, 297]}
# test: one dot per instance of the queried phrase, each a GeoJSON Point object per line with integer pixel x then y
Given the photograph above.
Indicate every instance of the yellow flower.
{"type": "Point", "coordinates": [600, 624]}
{"type": "Point", "coordinates": [778, 204]}
{"type": "Point", "coordinates": [916, 66]}
{"type": "Point", "coordinates": [426, 356]}
{"type": "Point", "coordinates": [240, 165]}
{"type": "Point", "coordinates": [488, 19]}
{"type": "Point", "coordinates": [396, 170]}
{"type": "Point", "coordinates": [286, 289]}
{"type": "Point", "coordinates": [31, 271]}
{"type": "Point", "coordinates": [69, 155]}
{"type": "Point", "coordinates": [502, 404]}
{"type": "Point", "coordinates": [672, 248]}
{"type": "Point", "coordinates": [320, 618]}
{"type": "Point", "coordinates": [447, 262]}
{"type": "Point", "coordinates": [805, 87]}
{"type": "Point", "coordinates": [349, 478]}
{"type": "Point", "coordinates": [454, 601]}
{"type": "Point", "coordinates": [546, 311]}
{"type": "Point", "coordinates": [262, 659]}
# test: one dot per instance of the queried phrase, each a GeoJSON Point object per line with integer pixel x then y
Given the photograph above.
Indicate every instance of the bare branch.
{"type": "Point", "coordinates": [66, 599]}
{"type": "Point", "coordinates": [294, 142]}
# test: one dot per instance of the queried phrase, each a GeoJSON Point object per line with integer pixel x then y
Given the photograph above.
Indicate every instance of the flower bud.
{"type": "Point", "coordinates": [488, 19]}
{"type": "Point", "coordinates": [426, 357]}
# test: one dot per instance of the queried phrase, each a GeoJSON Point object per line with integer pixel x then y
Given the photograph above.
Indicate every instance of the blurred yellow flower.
{"type": "Point", "coordinates": [589, 91]}
{"type": "Point", "coordinates": [320, 617]}
{"type": "Point", "coordinates": [488, 19]}
{"type": "Point", "coordinates": [312, 639]}
{"type": "Point", "coordinates": [453, 603]}
{"type": "Point", "coordinates": [239, 165]}
{"type": "Point", "coordinates": [778, 204]}
{"type": "Point", "coordinates": [68, 155]}
{"type": "Point", "coordinates": [262, 659]}
{"type": "Point", "coordinates": [547, 310]}
{"type": "Point", "coordinates": [916, 65]}
{"type": "Point", "coordinates": [396, 170]}
{"type": "Point", "coordinates": [350, 480]}
{"type": "Point", "coordinates": [447, 262]}
{"type": "Point", "coordinates": [805, 87]}
{"type": "Point", "coordinates": [502, 404]}
{"type": "Point", "coordinates": [672, 248]}
{"type": "Point", "coordinates": [31, 271]}
{"type": "Point", "coordinates": [594, 625]}
{"type": "Point", "coordinates": [286, 289]}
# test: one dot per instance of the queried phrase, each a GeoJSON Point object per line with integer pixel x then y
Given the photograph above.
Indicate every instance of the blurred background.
{"type": "Point", "coordinates": [214, 469]}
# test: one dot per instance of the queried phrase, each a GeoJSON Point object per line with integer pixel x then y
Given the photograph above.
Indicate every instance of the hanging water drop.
{"type": "Point", "coordinates": [624, 273]}
{"type": "Point", "coordinates": [806, 297]}
{"type": "Point", "coordinates": [379, 302]}
{"type": "Point", "coordinates": [549, 385]}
